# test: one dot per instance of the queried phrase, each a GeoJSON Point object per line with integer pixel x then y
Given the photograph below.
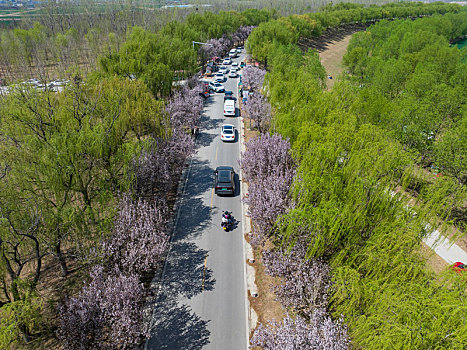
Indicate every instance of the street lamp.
{"type": "Point", "coordinates": [197, 42]}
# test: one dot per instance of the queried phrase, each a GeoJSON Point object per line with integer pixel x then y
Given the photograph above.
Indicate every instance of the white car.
{"type": "Point", "coordinates": [235, 65]}
{"type": "Point", "coordinates": [229, 108]}
{"type": "Point", "coordinates": [233, 53]}
{"type": "Point", "coordinates": [57, 85]}
{"type": "Point", "coordinates": [219, 77]}
{"type": "Point", "coordinates": [227, 61]}
{"type": "Point", "coordinates": [223, 70]}
{"type": "Point", "coordinates": [239, 49]}
{"type": "Point", "coordinates": [58, 82]}
{"type": "Point", "coordinates": [215, 86]}
{"type": "Point", "coordinates": [33, 82]}
{"type": "Point", "coordinates": [228, 133]}
{"type": "Point", "coordinates": [233, 73]}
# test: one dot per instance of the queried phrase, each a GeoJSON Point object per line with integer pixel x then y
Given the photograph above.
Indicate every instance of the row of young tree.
{"type": "Point", "coordinates": [346, 209]}
{"type": "Point", "coordinates": [289, 30]}
{"type": "Point", "coordinates": [60, 38]}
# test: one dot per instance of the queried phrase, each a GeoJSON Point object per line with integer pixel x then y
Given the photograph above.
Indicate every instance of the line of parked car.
{"type": "Point", "coordinates": [224, 176]}
{"type": "Point", "coordinates": [56, 85]}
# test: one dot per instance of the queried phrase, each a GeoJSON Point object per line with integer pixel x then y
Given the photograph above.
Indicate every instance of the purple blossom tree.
{"type": "Point", "coordinates": [140, 237]}
{"type": "Point", "coordinates": [176, 150]}
{"type": "Point", "coordinates": [242, 33]}
{"type": "Point", "coordinates": [122, 310]}
{"type": "Point", "coordinates": [253, 78]}
{"type": "Point", "coordinates": [304, 290]}
{"type": "Point", "coordinates": [305, 283]}
{"type": "Point", "coordinates": [269, 170]}
{"type": "Point", "coordinates": [320, 332]}
{"type": "Point", "coordinates": [259, 110]}
{"type": "Point", "coordinates": [268, 199]}
{"type": "Point", "coordinates": [216, 47]}
{"type": "Point", "coordinates": [184, 108]}
{"type": "Point", "coordinates": [212, 48]}
{"type": "Point", "coordinates": [264, 155]}
{"type": "Point", "coordinates": [107, 314]}
{"type": "Point", "coordinates": [152, 173]}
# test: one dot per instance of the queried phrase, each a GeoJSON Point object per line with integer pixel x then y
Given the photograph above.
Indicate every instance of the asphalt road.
{"type": "Point", "coordinates": [202, 299]}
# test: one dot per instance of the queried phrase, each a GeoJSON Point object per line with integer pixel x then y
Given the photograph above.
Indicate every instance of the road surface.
{"type": "Point", "coordinates": [202, 298]}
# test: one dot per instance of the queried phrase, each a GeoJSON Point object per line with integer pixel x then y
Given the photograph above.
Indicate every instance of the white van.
{"type": "Point", "coordinates": [233, 53]}
{"type": "Point", "coordinates": [229, 108]}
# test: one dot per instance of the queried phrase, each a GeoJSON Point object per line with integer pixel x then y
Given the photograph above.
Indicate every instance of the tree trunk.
{"type": "Point", "coordinates": [25, 334]}
{"type": "Point", "coordinates": [61, 260]}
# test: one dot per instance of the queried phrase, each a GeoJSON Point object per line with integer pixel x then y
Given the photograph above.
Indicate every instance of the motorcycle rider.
{"type": "Point", "coordinates": [227, 218]}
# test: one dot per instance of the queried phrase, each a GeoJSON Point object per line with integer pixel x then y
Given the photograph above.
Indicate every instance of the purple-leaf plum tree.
{"type": "Point", "coordinates": [107, 314]}
{"type": "Point", "coordinates": [320, 332]}
{"type": "Point", "coordinates": [258, 109]}
{"type": "Point", "coordinates": [253, 77]}
{"type": "Point", "coordinates": [139, 238]}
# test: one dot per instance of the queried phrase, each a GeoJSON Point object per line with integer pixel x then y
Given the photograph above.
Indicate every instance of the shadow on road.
{"type": "Point", "coordinates": [201, 178]}
{"type": "Point", "coordinates": [205, 139]}
{"type": "Point", "coordinates": [209, 123]}
{"type": "Point", "coordinates": [186, 274]}
{"type": "Point", "coordinates": [177, 327]}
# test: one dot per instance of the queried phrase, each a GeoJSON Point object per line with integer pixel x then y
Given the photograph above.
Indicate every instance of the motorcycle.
{"type": "Point", "coordinates": [227, 221]}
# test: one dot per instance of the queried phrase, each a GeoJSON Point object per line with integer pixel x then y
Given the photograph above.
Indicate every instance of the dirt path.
{"type": "Point", "coordinates": [331, 58]}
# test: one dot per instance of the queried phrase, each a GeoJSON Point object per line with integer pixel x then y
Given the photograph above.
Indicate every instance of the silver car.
{"type": "Point", "coordinates": [233, 73]}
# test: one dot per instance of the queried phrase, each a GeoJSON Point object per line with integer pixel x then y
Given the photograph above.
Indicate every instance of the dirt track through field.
{"type": "Point", "coordinates": [331, 58]}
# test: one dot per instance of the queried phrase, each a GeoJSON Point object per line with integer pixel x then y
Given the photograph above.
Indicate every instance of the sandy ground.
{"type": "Point", "coordinates": [331, 58]}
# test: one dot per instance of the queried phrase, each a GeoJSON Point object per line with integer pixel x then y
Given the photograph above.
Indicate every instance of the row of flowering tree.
{"type": "Point", "coordinates": [221, 46]}
{"type": "Point", "coordinates": [108, 312]}
{"type": "Point", "coordinates": [269, 169]}
{"type": "Point", "coordinates": [256, 106]}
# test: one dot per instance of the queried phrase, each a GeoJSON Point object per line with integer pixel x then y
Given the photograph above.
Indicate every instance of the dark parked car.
{"type": "Point", "coordinates": [229, 96]}
{"type": "Point", "coordinates": [224, 181]}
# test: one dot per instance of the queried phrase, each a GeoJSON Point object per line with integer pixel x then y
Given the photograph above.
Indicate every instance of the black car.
{"type": "Point", "coordinates": [224, 180]}
{"type": "Point", "coordinates": [229, 96]}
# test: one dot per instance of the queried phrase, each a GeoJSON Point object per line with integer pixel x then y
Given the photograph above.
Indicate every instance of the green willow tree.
{"type": "Point", "coordinates": [71, 152]}
{"type": "Point", "coordinates": [359, 147]}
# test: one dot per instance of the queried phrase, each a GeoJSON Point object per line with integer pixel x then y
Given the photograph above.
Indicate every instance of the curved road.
{"type": "Point", "coordinates": [202, 302]}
